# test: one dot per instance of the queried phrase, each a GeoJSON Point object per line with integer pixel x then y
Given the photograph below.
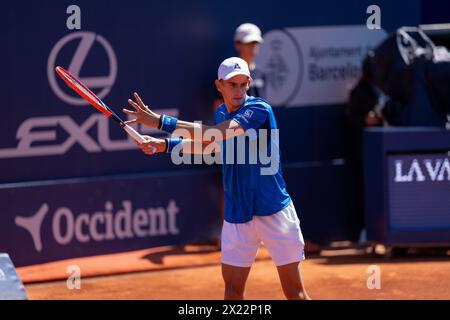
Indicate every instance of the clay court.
{"type": "Point", "coordinates": [193, 272]}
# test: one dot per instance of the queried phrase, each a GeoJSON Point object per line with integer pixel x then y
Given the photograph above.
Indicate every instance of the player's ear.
{"type": "Point", "coordinates": [218, 85]}
{"type": "Point", "coordinates": [249, 83]}
{"type": "Point", "coordinates": [237, 46]}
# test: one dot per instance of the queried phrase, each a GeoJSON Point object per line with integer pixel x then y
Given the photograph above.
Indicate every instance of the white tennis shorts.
{"type": "Point", "coordinates": [280, 233]}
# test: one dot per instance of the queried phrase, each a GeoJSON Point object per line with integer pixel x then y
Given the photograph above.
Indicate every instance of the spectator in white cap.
{"type": "Point", "coordinates": [247, 39]}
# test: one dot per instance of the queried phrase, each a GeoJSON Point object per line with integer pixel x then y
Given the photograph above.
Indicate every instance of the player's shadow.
{"type": "Point", "coordinates": [398, 256]}
{"type": "Point", "coordinates": [182, 251]}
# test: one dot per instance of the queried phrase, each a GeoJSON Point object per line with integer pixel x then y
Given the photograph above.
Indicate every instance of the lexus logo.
{"type": "Point", "coordinates": [87, 41]}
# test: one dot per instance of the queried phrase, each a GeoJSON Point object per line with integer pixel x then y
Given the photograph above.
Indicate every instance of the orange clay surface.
{"type": "Point", "coordinates": [193, 272]}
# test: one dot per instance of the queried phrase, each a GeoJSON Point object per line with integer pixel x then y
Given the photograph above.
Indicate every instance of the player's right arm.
{"type": "Point", "coordinates": [153, 145]}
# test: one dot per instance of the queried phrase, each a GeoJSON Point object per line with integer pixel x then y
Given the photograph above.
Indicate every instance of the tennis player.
{"type": "Point", "coordinates": [258, 208]}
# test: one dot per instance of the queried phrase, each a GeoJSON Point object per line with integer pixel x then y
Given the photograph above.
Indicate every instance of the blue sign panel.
{"type": "Point", "coordinates": [419, 192]}
{"type": "Point", "coordinates": [76, 218]}
{"type": "Point", "coordinates": [407, 185]}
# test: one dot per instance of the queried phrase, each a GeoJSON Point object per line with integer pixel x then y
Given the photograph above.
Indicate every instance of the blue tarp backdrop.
{"type": "Point", "coordinates": [168, 51]}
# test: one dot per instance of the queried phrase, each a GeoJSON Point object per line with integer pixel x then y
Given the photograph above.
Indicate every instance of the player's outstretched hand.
{"type": "Point", "coordinates": [143, 114]}
{"type": "Point", "coordinates": [152, 145]}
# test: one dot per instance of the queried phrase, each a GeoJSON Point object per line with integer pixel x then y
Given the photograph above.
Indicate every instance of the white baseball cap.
{"type": "Point", "coordinates": [248, 32]}
{"type": "Point", "coordinates": [232, 67]}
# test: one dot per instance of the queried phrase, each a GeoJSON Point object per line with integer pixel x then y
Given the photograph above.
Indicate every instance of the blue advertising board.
{"type": "Point", "coordinates": [63, 219]}
{"type": "Point", "coordinates": [169, 52]}
{"type": "Point", "coordinates": [407, 185]}
{"type": "Point", "coordinates": [419, 191]}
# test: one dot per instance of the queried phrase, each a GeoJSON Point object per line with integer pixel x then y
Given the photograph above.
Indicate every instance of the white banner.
{"type": "Point", "coordinates": [314, 65]}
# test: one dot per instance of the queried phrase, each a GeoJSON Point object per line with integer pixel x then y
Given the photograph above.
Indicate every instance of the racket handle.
{"type": "Point", "coordinates": [136, 135]}
{"type": "Point", "coordinates": [133, 133]}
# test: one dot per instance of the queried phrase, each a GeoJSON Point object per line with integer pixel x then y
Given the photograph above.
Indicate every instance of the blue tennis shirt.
{"type": "Point", "coordinates": [248, 192]}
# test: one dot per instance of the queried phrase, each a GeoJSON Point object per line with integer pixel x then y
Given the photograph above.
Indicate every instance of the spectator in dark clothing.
{"type": "Point", "coordinates": [363, 110]}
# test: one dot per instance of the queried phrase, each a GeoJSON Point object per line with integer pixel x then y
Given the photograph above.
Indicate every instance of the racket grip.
{"type": "Point", "coordinates": [136, 135]}
{"type": "Point", "coordinates": [133, 133]}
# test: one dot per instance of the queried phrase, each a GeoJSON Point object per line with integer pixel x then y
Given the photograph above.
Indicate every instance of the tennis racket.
{"type": "Point", "coordinates": [95, 101]}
